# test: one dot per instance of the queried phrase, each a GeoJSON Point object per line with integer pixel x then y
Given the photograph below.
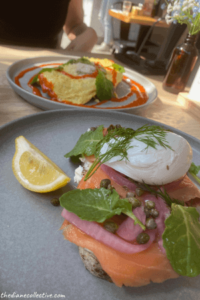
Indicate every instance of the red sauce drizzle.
{"type": "Point", "coordinates": [93, 75]}
{"type": "Point", "coordinates": [47, 87]}
{"type": "Point", "coordinates": [114, 75]}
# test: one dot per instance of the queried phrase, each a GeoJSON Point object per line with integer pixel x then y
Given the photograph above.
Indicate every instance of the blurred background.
{"type": "Point", "coordinates": [156, 50]}
{"type": "Point", "coordinates": [91, 18]}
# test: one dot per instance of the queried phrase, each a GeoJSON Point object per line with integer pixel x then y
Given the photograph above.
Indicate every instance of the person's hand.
{"type": "Point", "coordinates": [84, 41]}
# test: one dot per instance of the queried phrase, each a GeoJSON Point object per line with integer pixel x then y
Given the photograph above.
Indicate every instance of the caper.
{"type": "Point", "coordinates": [75, 159]}
{"type": "Point", "coordinates": [110, 187]}
{"type": "Point", "coordinates": [55, 202]}
{"type": "Point", "coordinates": [111, 127]}
{"type": "Point", "coordinates": [135, 202]}
{"type": "Point", "coordinates": [147, 212]}
{"type": "Point", "coordinates": [93, 128]}
{"type": "Point", "coordinates": [110, 226]}
{"type": "Point", "coordinates": [130, 194]}
{"type": "Point", "coordinates": [142, 238]}
{"type": "Point", "coordinates": [139, 192]}
{"type": "Point", "coordinates": [125, 187]}
{"type": "Point", "coordinates": [149, 204]}
{"type": "Point", "coordinates": [105, 183]}
{"type": "Point", "coordinates": [118, 126]}
{"type": "Point", "coordinates": [150, 223]}
{"type": "Point", "coordinates": [154, 213]}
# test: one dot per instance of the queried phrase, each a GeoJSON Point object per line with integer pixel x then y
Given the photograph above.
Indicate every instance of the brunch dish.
{"type": "Point", "coordinates": [86, 83]}
{"type": "Point", "coordinates": [35, 254]}
{"type": "Point", "coordinates": [135, 209]}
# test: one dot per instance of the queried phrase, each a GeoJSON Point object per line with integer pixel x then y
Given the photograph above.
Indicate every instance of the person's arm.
{"type": "Point", "coordinates": [82, 38]}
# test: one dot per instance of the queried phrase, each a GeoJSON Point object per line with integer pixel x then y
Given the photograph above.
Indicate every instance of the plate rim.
{"type": "Point", "coordinates": [17, 88]}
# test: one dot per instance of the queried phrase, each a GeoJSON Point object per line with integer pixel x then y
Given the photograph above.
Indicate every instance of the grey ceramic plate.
{"type": "Point", "coordinates": [34, 257]}
{"type": "Point", "coordinates": [25, 91]}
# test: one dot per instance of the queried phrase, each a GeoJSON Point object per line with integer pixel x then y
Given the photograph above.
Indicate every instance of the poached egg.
{"type": "Point", "coordinates": [154, 166]}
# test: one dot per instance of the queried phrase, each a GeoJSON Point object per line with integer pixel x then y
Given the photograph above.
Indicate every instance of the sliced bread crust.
{"type": "Point", "coordinates": [92, 264]}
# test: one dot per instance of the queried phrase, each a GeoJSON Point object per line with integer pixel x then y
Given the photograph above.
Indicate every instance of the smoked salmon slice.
{"type": "Point", "coordinates": [124, 269]}
{"type": "Point", "coordinates": [183, 190]}
{"type": "Point", "coordinates": [94, 182]}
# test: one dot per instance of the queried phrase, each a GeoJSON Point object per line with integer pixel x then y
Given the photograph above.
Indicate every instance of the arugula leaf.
{"type": "Point", "coordinates": [181, 239]}
{"type": "Point", "coordinates": [118, 68]}
{"type": "Point", "coordinates": [35, 78]}
{"type": "Point", "coordinates": [104, 86]}
{"type": "Point", "coordinates": [87, 142]}
{"type": "Point", "coordinates": [194, 170]}
{"type": "Point", "coordinates": [97, 205]}
{"type": "Point", "coordinates": [84, 60]}
{"type": "Point", "coordinates": [70, 62]}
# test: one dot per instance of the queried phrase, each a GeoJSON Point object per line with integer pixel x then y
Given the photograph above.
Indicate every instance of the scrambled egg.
{"type": "Point", "coordinates": [107, 63]}
{"type": "Point", "coordinates": [78, 91]}
{"type": "Point", "coordinates": [104, 62]}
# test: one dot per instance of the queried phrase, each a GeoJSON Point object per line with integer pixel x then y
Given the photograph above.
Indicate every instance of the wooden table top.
{"type": "Point", "coordinates": [165, 109]}
{"type": "Point", "coordinates": [131, 18]}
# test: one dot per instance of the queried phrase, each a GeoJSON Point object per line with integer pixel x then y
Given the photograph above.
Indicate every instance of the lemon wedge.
{"type": "Point", "coordinates": [34, 170]}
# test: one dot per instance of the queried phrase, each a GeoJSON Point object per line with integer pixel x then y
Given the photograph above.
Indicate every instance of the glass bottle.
{"type": "Point", "coordinates": [181, 65]}
{"type": "Point", "coordinates": [155, 9]}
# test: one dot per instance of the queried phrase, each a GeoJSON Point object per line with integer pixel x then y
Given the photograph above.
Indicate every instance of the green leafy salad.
{"type": "Point", "coordinates": [181, 229]}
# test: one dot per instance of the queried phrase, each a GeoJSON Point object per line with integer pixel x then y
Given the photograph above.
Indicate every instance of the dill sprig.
{"type": "Point", "coordinates": [118, 141]}
{"type": "Point", "coordinates": [159, 191]}
{"type": "Point", "coordinates": [153, 135]}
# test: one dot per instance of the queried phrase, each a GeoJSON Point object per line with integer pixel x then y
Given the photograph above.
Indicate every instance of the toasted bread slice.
{"type": "Point", "coordinates": [92, 264]}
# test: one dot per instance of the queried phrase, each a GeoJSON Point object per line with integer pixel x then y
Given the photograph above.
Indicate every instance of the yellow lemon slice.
{"type": "Point", "coordinates": [34, 170]}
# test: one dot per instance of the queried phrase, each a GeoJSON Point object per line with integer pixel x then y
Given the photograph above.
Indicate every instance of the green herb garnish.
{"type": "Point", "coordinates": [104, 86]}
{"type": "Point", "coordinates": [70, 62]}
{"type": "Point", "coordinates": [181, 239]}
{"type": "Point", "coordinates": [87, 142]}
{"type": "Point", "coordinates": [118, 68]}
{"type": "Point", "coordinates": [154, 135]}
{"type": "Point", "coordinates": [97, 205]}
{"type": "Point", "coordinates": [82, 60]}
{"type": "Point", "coordinates": [193, 171]}
{"type": "Point", "coordinates": [118, 141]}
